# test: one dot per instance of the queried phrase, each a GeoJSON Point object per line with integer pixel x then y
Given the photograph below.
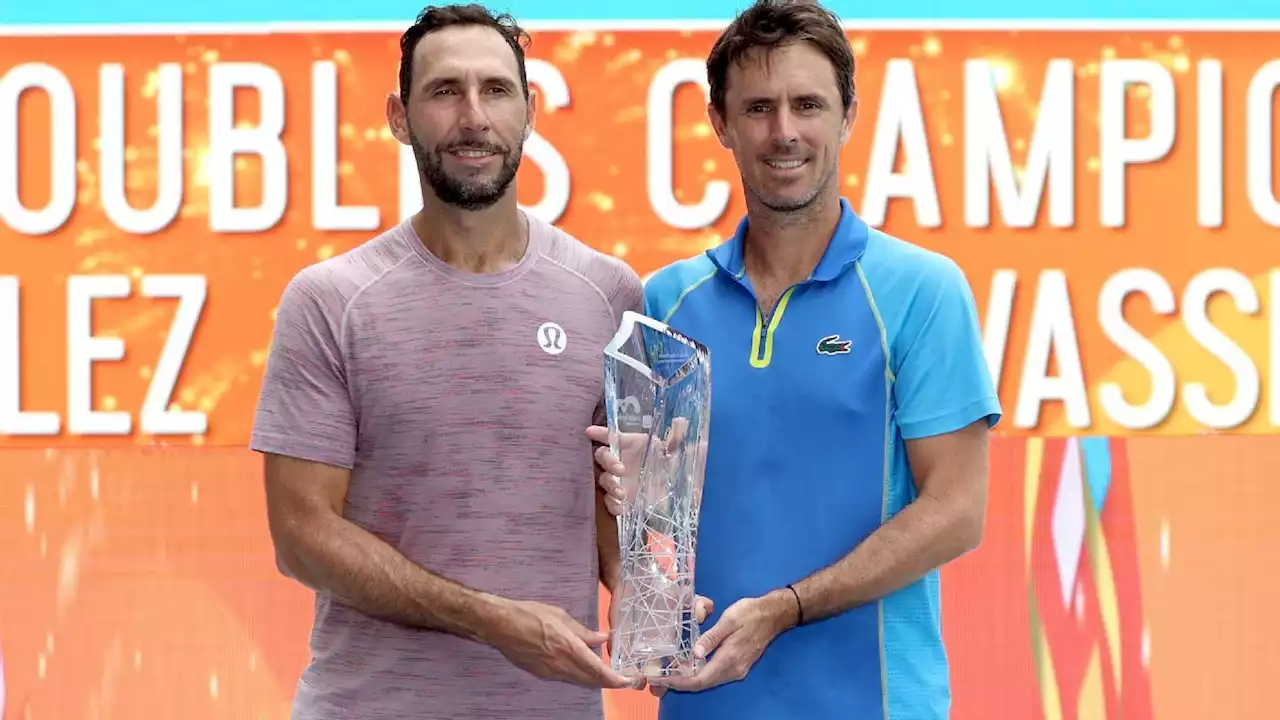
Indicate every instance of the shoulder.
{"type": "Point", "coordinates": [903, 278]}
{"type": "Point", "coordinates": [667, 288]}
{"type": "Point", "coordinates": [896, 264]}
{"type": "Point", "coordinates": [328, 287]}
{"type": "Point", "coordinates": [910, 286]}
{"type": "Point", "coordinates": [612, 277]}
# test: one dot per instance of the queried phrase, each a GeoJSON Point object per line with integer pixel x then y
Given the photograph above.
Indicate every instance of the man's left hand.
{"type": "Point", "coordinates": [737, 640]}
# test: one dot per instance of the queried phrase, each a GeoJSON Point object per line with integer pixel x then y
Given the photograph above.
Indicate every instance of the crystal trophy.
{"type": "Point", "coordinates": [658, 402]}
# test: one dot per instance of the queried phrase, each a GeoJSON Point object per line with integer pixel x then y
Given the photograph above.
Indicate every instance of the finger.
{"type": "Point", "coordinates": [613, 681]}
{"type": "Point", "coordinates": [614, 505]}
{"type": "Point", "coordinates": [609, 462]}
{"type": "Point", "coordinates": [606, 459]}
{"type": "Point", "coordinates": [657, 690]}
{"type": "Point", "coordinates": [717, 634]}
{"type": "Point", "coordinates": [611, 486]}
{"type": "Point", "coordinates": [717, 670]}
{"type": "Point", "coordinates": [703, 607]}
{"type": "Point", "coordinates": [679, 428]}
{"type": "Point", "coordinates": [632, 683]}
{"type": "Point", "coordinates": [629, 441]}
{"type": "Point", "coordinates": [604, 675]}
{"type": "Point", "coordinates": [593, 638]}
{"type": "Point", "coordinates": [598, 434]}
{"type": "Point", "coordinates": [714, 673]}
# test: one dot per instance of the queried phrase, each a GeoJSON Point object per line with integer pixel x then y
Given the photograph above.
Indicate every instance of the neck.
{"type": "Point", "coordinates": [787, 246]}
{"type": "Point", "coordinates": [477, 241]}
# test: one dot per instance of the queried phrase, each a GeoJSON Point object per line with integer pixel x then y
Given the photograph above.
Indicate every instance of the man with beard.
{"type": "Point", "coordinates": [421, 419]}
{"type": "Point", "coordinates": [847, 457]}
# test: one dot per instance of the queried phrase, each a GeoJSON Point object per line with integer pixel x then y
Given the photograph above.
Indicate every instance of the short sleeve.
{"type": "Point", "coordinates": [942, 381]}
{"type": "Point", "coordinates": [304, 407]}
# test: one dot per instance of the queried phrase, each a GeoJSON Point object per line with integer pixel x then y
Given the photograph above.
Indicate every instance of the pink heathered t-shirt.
{"type": "Point", "coordinates": [458, 401]}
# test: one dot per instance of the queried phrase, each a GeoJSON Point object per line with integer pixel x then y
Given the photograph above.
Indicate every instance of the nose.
{"type": "Point", "coordinates": [473, 117]}
{"type": "Point", "coordinates": [784, 127]}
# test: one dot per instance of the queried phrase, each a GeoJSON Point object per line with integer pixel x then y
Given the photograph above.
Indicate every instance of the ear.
{"type": "Point", "coordinates": [850, 119]}
{"type": "Point", "coordinates": [718, 124]}
{"type": "Point", "coordinates": [532, 113]}
{"type": "Point", "coordinates": [398, 119]}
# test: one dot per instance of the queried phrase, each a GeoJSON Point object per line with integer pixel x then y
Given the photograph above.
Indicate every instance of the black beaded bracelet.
{"type": "Point", "coordinates": [799, 606]}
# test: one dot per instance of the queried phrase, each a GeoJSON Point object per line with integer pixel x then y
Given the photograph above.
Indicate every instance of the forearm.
{"type": "Point", "coordinates": [927, 534]}
{"type": "Point", "coordinates": [336, 557]}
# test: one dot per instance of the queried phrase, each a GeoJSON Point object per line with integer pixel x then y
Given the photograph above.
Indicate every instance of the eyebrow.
{"type": "Point", "coordinates": [807, 97]}
{"type": "Point", "coordinates": [447, 80]}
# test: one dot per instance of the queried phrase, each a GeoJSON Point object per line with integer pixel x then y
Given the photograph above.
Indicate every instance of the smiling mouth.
{"type": "Point", "coordinates": [471, 154]}
{"type": "Point", "coordinates": [784, 164]}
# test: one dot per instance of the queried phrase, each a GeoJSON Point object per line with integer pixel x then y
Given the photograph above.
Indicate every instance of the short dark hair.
{"type": "Point", "coordinates": [769, 24]}
{"type": "Point", "coordinates": [438, 17]}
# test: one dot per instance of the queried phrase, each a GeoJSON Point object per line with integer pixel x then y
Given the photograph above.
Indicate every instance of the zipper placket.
{"type": "Point", "coordinates": [761, 349]}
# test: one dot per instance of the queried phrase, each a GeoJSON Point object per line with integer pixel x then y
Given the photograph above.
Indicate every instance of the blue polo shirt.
{"type": "Point", "coordinates": [811, 409]}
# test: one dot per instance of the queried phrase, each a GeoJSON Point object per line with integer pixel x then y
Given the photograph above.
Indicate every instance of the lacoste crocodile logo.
{"type": "Point", "coordinates": [833, 345]}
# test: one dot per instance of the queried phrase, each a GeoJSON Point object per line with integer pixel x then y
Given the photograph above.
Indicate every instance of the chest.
{"type": "Point", "coordinates": [478, 364]}
{"type": "Point", "coordinates": [816, 359]}
{"type": "Point", "coordinates": [801, 409]}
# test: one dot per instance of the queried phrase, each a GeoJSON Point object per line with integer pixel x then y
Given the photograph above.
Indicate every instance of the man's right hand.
{"type": "Point", "coordinates": [619, 476]}
{"type": "Point", "coordinates": [612, 471]}
{"type": "Point", "coordinates": [547, 642]}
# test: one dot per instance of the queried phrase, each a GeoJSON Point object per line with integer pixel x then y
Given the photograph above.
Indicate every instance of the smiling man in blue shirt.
{"type": "Point", "coordinates": [847, 459]}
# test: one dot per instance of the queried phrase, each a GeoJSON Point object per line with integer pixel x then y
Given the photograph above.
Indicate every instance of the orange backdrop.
{"type": "Point", "coordinates": [138, 579]}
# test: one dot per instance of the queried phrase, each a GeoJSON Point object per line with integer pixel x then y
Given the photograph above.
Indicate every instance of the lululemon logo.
{"type": "Point", "coordinates": [551, 338]}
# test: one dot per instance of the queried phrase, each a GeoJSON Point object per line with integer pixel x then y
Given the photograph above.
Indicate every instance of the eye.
{"type": "Point", "coordinates": [758, 108]}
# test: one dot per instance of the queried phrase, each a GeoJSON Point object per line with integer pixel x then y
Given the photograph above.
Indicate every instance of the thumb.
{"type": "Point", "coordinates": [679, 428]}
{"type": "Point", "coordinates": [703, 607]}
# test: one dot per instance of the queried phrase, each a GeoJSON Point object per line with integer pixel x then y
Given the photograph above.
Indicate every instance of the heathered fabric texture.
{"type": "Point", "coordinates": [465, 441]}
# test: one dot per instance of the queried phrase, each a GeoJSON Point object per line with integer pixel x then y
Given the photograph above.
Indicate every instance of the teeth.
{"type": "Point", "coordinates": [784, 164]}
{"type": "Point", "coordinates": [472, 153]}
